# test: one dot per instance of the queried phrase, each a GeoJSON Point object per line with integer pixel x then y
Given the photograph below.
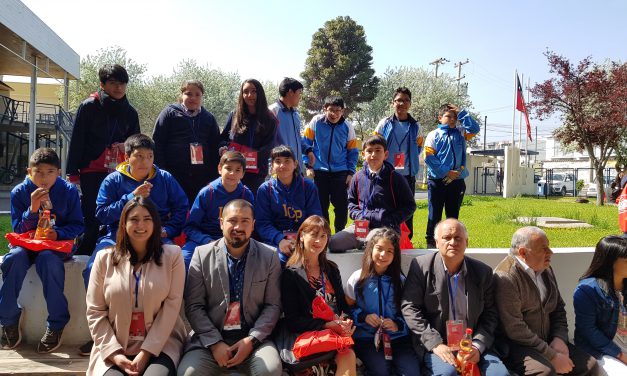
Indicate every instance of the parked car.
{"type": "Point", "coordinates": [561, 183]}
{"type": "Point", "coordinates": [592, 190]}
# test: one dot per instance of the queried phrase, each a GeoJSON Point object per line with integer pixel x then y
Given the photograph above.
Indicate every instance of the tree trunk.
{"type": "Point", "coordinates": [600, 184]}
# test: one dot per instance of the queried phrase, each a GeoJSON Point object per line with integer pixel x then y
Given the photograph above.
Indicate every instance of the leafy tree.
{"type": "Point", "coordinates": [339, 62]}
{"type": "Point", "coordinates": [428, 94]}
{"type": "Point", "coordinates": [591, 100]}
{"type": "Point", "coordinates": [221, 88]}
{"type": "Point", "coordinates": [150, 95]}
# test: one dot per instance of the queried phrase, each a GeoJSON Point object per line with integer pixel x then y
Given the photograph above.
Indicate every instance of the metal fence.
{"type": "Point", "coordinates": [548, 181]}
{"type": "Point", "coordinates": [488, 181]}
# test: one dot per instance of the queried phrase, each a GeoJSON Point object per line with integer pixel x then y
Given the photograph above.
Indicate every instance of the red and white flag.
{"type": "Point", "coordinates": [520, 105]}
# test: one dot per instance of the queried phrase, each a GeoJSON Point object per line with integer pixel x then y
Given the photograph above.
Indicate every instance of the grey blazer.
{"type": "Point", "coordinates": [207, 292]}
{"type": "Point", "coordinates": [425, 302]}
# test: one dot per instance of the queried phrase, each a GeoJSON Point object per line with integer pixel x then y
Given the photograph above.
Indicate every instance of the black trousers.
{"type": "Point", "coordinates": [90, 184]}
{"type": "Point", "coordinates": [161, 365]}
{"type": "Point", "coordinates": [443, 196]}
{"type": "Point", "coordinates": [332, 188]}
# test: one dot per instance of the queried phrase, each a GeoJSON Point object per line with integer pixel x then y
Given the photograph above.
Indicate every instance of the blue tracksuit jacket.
{"type": "Point", "coordinates": [203, 223]}
{"type": "Point", "coordinates": [66, 206]}
{"type": "Point", "coordinates": [445, 147]}
{"type": "Point", "coordinates": [166, 193]}
{"type": "Point", "coordinates": [279, 208]}
{"type": "Point", "coordinates": [334, 145]}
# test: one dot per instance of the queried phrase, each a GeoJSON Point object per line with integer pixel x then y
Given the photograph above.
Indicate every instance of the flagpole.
{"type": "Point", "coordinates": [522, 79]}
{"type": "Point", "coordinates": [526, 130]}
{"type": "Point", "coordinates": [514, 108]}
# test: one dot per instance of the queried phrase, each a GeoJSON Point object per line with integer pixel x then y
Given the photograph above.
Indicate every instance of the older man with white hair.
{"type": "Point", "coordinates": [444, 293]}
{"type": "Point", "coordinates": [532, 311]}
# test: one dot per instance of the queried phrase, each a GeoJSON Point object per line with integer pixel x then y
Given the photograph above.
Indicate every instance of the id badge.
{"type": "Point", "coordinates": [387, 346]}
{"type": "Point", "coordinates": [232, 320]}
{"type": "Point", "coordinates": [137, 330]}
{"type": "Point", "coordinates": [399, 161]}
{"type": "Point", "coordinates": [251, 161]}
{"type": "Point", "coordinates": [361, 229]}
{"type": "Point", "coordinates": [454, 333]}
{"type": "Point", "coordinates": [195, 153]}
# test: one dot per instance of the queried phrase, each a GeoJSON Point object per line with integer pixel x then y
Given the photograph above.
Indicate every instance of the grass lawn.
{"type": "Point", "coordinates": [5, 227]}
{"type": "Point", "coordinates": [489, 221]}
{"type": "Point", "coordinates": [490, 225]}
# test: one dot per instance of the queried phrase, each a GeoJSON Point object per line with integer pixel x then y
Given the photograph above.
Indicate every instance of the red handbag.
{"type": "Point", "coordinates": [321, 310]}
{"type": "Point", "coordinates": [26, 241]}
{"type": "Point", "coordinates": [405, 242]}
{"type": "Point", "coordinates": [622, 210]}
{"type": "Point", "coordinates": [320, 341]}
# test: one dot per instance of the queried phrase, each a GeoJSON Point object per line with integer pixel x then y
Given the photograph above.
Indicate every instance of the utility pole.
{"type": "Point", "coordinates": [458, 65]}
{"type": "Point", "coordinates": [437, 64]}
{"type": "Point", "coordinates": [485, 131]}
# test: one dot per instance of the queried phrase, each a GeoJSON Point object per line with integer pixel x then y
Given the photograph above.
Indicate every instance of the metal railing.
{"type": "Point", "coordinates": [14, 111]}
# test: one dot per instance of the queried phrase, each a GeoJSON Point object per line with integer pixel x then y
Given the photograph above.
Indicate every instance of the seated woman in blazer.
{"type": "Point", "coordinates": [134, 299]}
{"type": "Point", "coordinates": [309, 274]}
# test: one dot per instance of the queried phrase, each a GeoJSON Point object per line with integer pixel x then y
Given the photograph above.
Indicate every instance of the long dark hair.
{"type": "Point", "coordinates": [394, 269]}
{"type": "Point", "coordinates": [313, 224]}
{"type": "Point", "coordinates": [123, 247]}
{"type": "Point", "coordinates": [608, 250]}
{"type": "Point", "coordinates": [242, 117]}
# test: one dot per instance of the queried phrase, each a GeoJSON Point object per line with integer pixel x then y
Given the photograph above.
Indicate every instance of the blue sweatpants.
{"type": "Point", "coordinates": [49, 266]}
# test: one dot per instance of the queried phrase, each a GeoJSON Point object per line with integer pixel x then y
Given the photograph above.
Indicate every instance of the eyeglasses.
{"type": "Point", "coordinates": [401, 101]}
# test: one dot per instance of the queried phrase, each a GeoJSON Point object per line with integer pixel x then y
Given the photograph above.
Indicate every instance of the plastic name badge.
{"type": "Point", "coordinates": [399, 161]}
{"type": "Point", "coordinates": [232, 319]}
{"type": "Point", "coordinates": [454, 333]}
{"type": "Point", "coordinates": [361, 229]}
{"type": "Point", "coordinates": [195, 153]}
{"type": "Point", "coordinates": [137, 330]}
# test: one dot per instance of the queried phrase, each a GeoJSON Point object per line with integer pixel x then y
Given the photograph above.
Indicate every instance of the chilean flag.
{"type": "Point", "coordinates": [520, 105]}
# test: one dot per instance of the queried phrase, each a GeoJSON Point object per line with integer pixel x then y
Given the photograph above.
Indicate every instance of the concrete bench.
{"type": "Point", "coordinates": [35, 312]}
{"type": "Point", "coordinates": [568, 263]}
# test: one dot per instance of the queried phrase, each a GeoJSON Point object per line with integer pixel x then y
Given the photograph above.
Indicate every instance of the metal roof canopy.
{"type": "Point", "coordinates": [24, 35]}
{"type": "Point", "coordinates": [501, 152]}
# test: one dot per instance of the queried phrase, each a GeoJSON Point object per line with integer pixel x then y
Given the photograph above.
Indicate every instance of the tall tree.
{"type": "Point", "coordinates": [428, 94]}
{"type": "Point", "coordinates": [150, 94]}
{"type": "Point", "coordinates": [339, 62]}
{"type": "Point", "coordinates": [591, 100]}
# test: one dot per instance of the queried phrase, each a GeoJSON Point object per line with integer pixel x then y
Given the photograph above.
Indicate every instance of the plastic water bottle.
{"type": "Point", "coordinates": [465, 347]}
{"type": "Point", "coordinates": [43, 225]}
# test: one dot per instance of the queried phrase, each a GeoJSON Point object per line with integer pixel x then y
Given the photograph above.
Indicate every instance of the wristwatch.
{"type": "Point", "coordinates": [256, 343]}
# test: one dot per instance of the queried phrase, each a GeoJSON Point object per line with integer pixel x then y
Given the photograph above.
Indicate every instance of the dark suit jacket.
{"type": "Point", "coordinates": [207, 292]}
{"type": "Point", "coordinates": [425, 302]}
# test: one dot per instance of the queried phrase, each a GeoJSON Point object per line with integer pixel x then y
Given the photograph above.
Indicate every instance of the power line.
{"type": "Point", "coordinates": [437, 64]}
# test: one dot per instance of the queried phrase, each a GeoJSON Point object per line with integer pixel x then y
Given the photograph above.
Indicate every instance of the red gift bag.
{"type": "Point", "coordinates": [405, 242]}
{"type": "Point", "coordinates": [622, 210]}
{"type": "Point", "coordinates": [319, 341]}
{"type": "Point", "coordinates": [26, 241]}
{"type": "Point", "coordinates": [321, 310]}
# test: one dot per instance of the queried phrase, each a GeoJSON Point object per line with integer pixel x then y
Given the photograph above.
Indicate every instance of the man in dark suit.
{"type": "Point", "coordinates": [233, 301]}
{"type": "Point", "coordinates": [444, 293]}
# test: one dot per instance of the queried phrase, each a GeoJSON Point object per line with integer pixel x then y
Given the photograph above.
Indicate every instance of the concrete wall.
{"type": "Point", "coordinates": [517, 179]}
{"type": "Point", "coordinates": [568, 263]}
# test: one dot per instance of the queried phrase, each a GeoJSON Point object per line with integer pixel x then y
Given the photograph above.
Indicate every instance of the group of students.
{"type": "Point", "coordinates": [241, 263]}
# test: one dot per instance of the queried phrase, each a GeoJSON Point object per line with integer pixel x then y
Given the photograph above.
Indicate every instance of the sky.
{"type": "Point", "coordinates": [269, 39]}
